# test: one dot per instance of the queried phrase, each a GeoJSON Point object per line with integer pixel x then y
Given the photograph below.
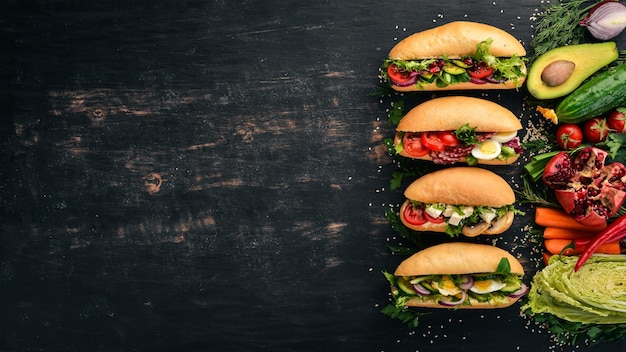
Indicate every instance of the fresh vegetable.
{"type": "Point", "coordinates": [558, 25]}
{"type": "Point", "coordinates": [606, 20]}
{"type": "Point", "coordinates": [614, 232]}
{"type": "Point", "coordinates": [575, 247]}
{"type": "Point", "coordinates": [553, 217]}
{"type": "Point", "coordinates": [599, 94]}
{"type": "Point", "coordinates": [595, 130]}
{"type": "Point", "coordinates": [566, 234]}
{"type": "Point", "coordinates": [569, 136]}
{"type": "Point", "coordinates": [585, 306]}
{"type": "Point", "coordinates": [616, 120]}
{"type": "Point", "coordinates": [585, 187]}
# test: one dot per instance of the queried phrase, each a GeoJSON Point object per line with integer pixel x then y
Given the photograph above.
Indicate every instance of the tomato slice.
{"type": "Point", "coordinates": [398, 75]}
{"type": "Point", "coordinates": [412, 143]}
{"type": "Point", "coordinates": [437, 220]}
{"type": "Point", "coordinates": [413, 215]}
{"type": "Point", "coordinates": [432, 141]}
{"type": "Point", "coordinates": [480, 71]}
{"type": "Point", "coordinates": [448, 138]}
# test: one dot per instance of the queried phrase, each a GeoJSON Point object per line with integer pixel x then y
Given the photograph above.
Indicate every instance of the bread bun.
{"type": "Point", "coordinates": [455, 40]}
{"type": "Point", "coordinates": [507, 161]}
{"type": "Point", "coordinates": [460, 185]}
{"type": "Point", "coordinates": [457, 258]}
{"type": "Point", "coordinates": [463, 85]}
{"type": "Point", "coordinates": [450, 113]}
{"type": "Point", "coordinates": [425, 302]}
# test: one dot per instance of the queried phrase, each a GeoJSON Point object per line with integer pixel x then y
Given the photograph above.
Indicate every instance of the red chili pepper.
{"type": "Point", "coordinates": [614, 232]}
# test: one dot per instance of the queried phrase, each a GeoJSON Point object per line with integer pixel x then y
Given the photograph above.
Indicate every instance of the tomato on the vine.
{"type": "Point", "coordinates": [616, 120]}
{"type": "Point", "coordinates": [595, 130]}
{"type": "Point", "coordinates": [569, 136]}
{"type": "Point", "coordinates": [414, 215]}
{"type": "Point", "coordinates": [412, 144]}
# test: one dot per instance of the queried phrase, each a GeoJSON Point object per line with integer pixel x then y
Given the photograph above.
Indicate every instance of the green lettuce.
{"type": "Point", "coordinates": [596, 294]}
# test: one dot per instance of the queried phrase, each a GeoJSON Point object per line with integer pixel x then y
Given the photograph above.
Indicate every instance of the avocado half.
{"type": "Point", "coordinates": [587, 58]}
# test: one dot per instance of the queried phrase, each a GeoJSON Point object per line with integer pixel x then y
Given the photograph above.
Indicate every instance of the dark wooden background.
{"type": "Point", "coordinates": [200, 175]}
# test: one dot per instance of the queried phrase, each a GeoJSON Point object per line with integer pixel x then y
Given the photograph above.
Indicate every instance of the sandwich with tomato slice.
{"type": "Point", "coordinates": [458, 275]}
{"type": "Point", "coordinates": [456, 56]}
{"type": "Point", "coordinates": [461, 200]}
{"type": "Point", "coordinates": [459, 129]}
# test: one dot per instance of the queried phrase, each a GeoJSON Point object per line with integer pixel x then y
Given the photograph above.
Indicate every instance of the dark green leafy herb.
{"type": "Point", "coordinates": [616, 145]}
{"type": "Point", "coordinates": [415, 239]}
{"type": "Point", "coordinates": [404, 314]}
{"type": "Point", "coordinates": [396, 112]}
{"type": "Point", "coordinates": [504, 267]}
{"type": "Point", "coordinates": [466, 134]}
{"type": "Point", "coordinates": [534, 195]}
{"type": "Point", "coordinates": [573, 333]}
{"type": "Point", "coordinates": [557, 25]}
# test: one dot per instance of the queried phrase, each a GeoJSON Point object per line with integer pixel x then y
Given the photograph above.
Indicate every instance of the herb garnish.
{"type": "Point", "coordinates": [558, 25]}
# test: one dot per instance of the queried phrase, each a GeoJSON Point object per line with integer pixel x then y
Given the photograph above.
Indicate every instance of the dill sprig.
{"type": "Point", "coordinates": [558, 25]}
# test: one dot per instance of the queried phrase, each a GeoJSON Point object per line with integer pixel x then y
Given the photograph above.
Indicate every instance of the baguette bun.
{"type": "Point", "coordinates": [450, 113]}
{"type": "Point", "coordinates": [471, 186]}
{"type": "Point", "coordinates": [455, 40]}
{"type": "Point", "coordinates": [457, 258]}
{"type": "Point", "coordinates": [474, 304]}
{"type": "Point", "coordinates": [462, 85]}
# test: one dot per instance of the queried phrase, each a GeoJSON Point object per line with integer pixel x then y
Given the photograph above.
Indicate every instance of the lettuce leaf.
{"type": "Point", "coordinates": [596, 294]}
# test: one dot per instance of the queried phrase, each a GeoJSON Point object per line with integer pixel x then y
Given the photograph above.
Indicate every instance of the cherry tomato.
{"type": "Point", "coordinates": [595, 130]}
{"type": "Point", "coordinates": [480, 71]}
{"type": "Point", "coordinates": [413, 215]}
{"type": "Point", "coordinates": [616, 120]}
{"type": "Point", "coordinates": [448, 138]}
{"type": "Point", "coordinates": [432, 141]}
{"type": "Point", "coordinates": [434, 220]}
{"type": "Point", "coordinates": [398, 75]}
{"type": "Point", "coordinates": [413, 144]}
{"type": "Point", "coordinates": [569, 136]}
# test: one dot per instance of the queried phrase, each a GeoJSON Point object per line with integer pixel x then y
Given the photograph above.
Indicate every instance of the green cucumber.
{"type": "Point", "coordinates": [599, 94]}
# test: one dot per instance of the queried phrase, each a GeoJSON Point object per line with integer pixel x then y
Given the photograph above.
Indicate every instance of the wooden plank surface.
{"type": "Point", "coordinates": [209, 175]}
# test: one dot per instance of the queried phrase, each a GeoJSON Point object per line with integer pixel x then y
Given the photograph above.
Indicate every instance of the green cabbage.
{"type": "Point", "coordinates": [596, 294]}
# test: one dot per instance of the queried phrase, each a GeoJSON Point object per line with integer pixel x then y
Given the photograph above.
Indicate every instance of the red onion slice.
{"type": "Point", "coordinates": [410, 82]}
{"type": "Point", "coordinates": [477, 80]}
{"type": "Point", "coordinates": [521, 292]}
{"type": "Point", "coordinates": [467, 282]}
{"type": "Point", "coordinates": [421, 289]}
{"type": "Point", "coordinates": [448, 302]}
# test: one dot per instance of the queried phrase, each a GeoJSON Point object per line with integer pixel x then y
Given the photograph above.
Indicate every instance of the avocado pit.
{"type": "Point", "coordinates": [557, 72]}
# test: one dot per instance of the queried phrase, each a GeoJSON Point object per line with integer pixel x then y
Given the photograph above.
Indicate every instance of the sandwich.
{"type": "Point", "coordinates": [467, 201]}
{"type": "Point", "coordinates": [456, 56]}
{"type": "Point", "coordinates": [453, 129]}
{"type": "Point", "coordinates": [458, 275]}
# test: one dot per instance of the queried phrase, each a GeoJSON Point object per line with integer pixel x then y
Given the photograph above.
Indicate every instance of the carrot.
{"type": "Point", "coordinates": [566, 234]}
{"type": "Point", "coordinates": [546, 258]}
{"type": "Point", "coordinates": [551, 217]}
{"type": "Point", "coordinates": [556, 246]}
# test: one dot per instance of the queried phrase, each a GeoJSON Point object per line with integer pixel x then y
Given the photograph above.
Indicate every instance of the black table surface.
{"type": "Point", "coordinates": [200, 175]}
